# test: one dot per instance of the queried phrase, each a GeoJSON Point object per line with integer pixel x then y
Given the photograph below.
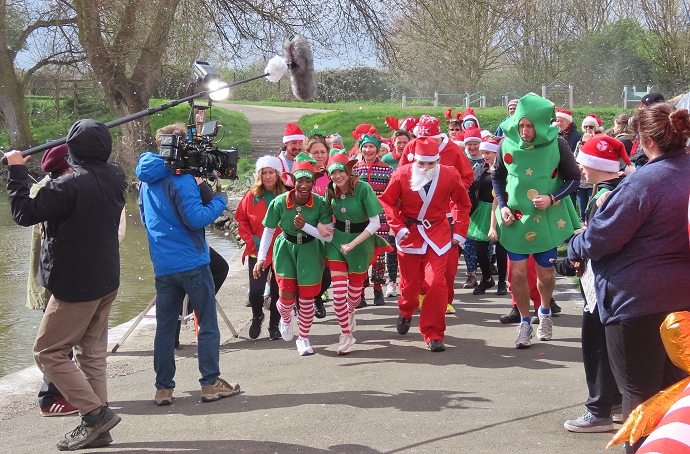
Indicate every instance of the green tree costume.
{"type": "Point", "coordinates": [533, 170]}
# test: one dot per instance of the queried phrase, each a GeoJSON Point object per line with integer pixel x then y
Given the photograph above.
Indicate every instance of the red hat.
{"type": "Point", "coordinates": [459, 138]}
{"type": "Point", "coordinates": [428, 126]}
{"type": "Point", "coordinates": [602, 152]}
{"type": "Point", "coordinates": [363, 129]}
{"type": "Point", "coordinates": [293, 132]}
{"type": "Point", "coordinates": [593, 120]}
{"type": "Point", "coordinates": [425, 149]}
{"type": "Point", "coordinates": [469, 115]}
{"type": "Point", "coordinates": [55, 159]}
{"type": "Point", "coordinates": [408, 123]}
{"type": "Point", "coordinates": [473, 135]}
{"type": "Point", "coordinates": [565, 114]}
{"type": "Point", "coordinates": [489, 144]}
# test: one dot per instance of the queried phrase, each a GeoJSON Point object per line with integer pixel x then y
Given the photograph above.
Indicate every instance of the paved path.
{"type": "Point", "coordinates": [391, 395]}
{"type": "Point", "coordinates": [268, 124]}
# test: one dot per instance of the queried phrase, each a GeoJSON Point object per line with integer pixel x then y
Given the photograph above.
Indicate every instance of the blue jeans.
{"type": "Point", "coordinates": [170, 292]}
{"type": "Point", "coordinates": [583, 196]}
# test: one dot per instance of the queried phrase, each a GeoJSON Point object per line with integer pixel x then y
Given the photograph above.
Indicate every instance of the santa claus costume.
{"type": "Point", "coordinates": [416, 204]}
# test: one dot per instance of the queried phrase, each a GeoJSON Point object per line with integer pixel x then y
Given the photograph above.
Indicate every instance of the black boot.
{"type": "Point", "coordinates": [378, 298]}
{"type": "Point", "coordinates": [255, 328]}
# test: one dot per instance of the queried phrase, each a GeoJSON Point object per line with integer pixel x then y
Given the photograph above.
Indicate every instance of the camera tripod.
{"type": "Point", "coordinates": [184, 318]}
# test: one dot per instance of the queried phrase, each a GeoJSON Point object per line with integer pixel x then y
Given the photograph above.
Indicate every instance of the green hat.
{"type": "Point", "coordinates": [374, 138]}
{"type": "Point", "coordinates": [540, 112]}
{"type": "Point", "coordinates": [338, 161]}
{"type": "Point", "coordinates": [317, 132]}
{"type": "Point", "coordinates": [303, 167]}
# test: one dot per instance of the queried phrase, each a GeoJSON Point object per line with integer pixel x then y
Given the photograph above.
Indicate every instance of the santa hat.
{"type": "Point", "coordinates": [428, 126]}
{"type": "Point", "coordinates": [293, 132]}
{"type": "Point", "coordinates": [268, 162]}
{"type": "Point", "coordinates": [303, 167]}
{"type": "Point", "coordinates": [385, 146]}
{"type": "Point", "coordinates": [469, 115]}
{"type": "Point", "coordinates": [425, 149]}
{"type": "Point", "coordinates": [459, 139]}
{"type": "Point", "coordinates": [513, 102]}
{"type": "Point", "coordinates": [489, 144]}
{"type": "Point", "coordinates": [55, 160]}
{"type": "Point", "coordinates": [473, 135]}
{"type": "Point", "coordinates": [565, 114]}
{"type": "Point", "coordinates": [602, 152]}
{"type": "Point", "coordinates": [593, 120]}
{"type": "Point", "coordinates": [339, 161]}
{"type": "Point", "coordinates": [486, 133]}
{"type": "Point", "coordinates": [362, 129]}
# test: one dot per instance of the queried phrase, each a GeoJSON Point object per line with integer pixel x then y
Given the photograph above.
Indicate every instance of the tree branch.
{"type": "Point", "coordinates": [21, 41]}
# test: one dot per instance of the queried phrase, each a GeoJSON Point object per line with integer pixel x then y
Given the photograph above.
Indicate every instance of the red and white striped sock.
{"type": "Point", "coordinates": [354, 296]}
{"type": "Point", "coordinates": [305, 316]}
{"type": "Point", "coordinates": [285, 308]}
{"type": "Point", "coordinates": [339, 284]}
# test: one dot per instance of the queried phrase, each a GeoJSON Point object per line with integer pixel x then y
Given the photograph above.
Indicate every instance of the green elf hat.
{"type": "Point", "coordinates": [303, 167]}
{"type": "Point", "coordinates": [317, 132]}
{"type": "Point", "coordinates": [339, 161]}
{"type": "Point", "coordinates": [373, 137]}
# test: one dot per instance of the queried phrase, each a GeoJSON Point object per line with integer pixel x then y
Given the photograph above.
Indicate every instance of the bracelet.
{"type": "Point", "coordinates": [552, 199]}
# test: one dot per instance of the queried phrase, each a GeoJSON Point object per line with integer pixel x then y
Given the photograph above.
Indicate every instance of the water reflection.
{"type": "Point", "coordinates": [18, 324]}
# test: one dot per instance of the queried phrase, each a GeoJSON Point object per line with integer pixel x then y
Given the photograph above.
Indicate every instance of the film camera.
{"type": "Point", "coordinates": [198, 155]}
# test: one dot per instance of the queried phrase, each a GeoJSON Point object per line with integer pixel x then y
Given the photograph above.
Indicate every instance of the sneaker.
{"type": "Point", "coordinates": [345, 344]}
{"type": "Point", "coordinates": [274, 333]}
{"type": "Point", "coordinates": [59, 408]}
{"type": "Point", "coordinates": [471, 282]}
{"type": "Point", "coordinates": [436, 345]}
{"type": "Point", "coordinates": [524, 331]}
{"type": "Point", "coordinates": [555, 308]}
{"type": "Point", "coordinates": [319, 309]}
{"type": "Point", "coordinates": [403, 324]}
{"type": "Point", "coordinates": [450, 309]}
{"type": "Point", "coordinates": [588, 423]}
{"type": "Point", "coordinates": [378, 298]}
{"type": "Point", "coordinates": [617, 414]}
{"type": "Point", "coordinates": [303, 347]}
{"type": "Point", "coordinates": [287, 331]}
{"type": "Point", "coordinates": [545, 330]}
{"type": "Point", "coordinates": [512, 317]}
{"type": "Point", "coordinates": [362, 302]}
{"type": "Point", "coordinates": [102, 440]}
{"type": "Point", "coordinates": [502, 288]}
{"type": "Point", "coordinates": [391, 289]}
{"type": "Point", "coordinates": [483, 286]}
{"type": "Point", "coordinates": [219, 389]}
{"type": "Point", "coordinates": [255, 328]}
{"type": "Point", "coordinates": [164, 396]}
{"type": "Point", "coordinates": [535, 317]}
{"type": "Point", "coordinates": [93, 424]}
{"type": "Point", "coordinates": [267, 290]}
{"type": "Point", "coordinates": [352, 323]}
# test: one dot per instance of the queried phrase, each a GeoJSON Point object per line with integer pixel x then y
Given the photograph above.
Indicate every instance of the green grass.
{"type": "Point", "coordinates": [318, 105]}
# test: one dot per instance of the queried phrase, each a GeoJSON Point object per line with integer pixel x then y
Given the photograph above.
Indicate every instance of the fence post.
{"type": "Point", "coordinates": [436, 99]}
{"type": "Point", "coordinates": [570, 95]}
{"type": "Point", "coordinates": [505, 97]}
{"type": "Point", "coordinates": [543, 90]}
{"type": "Point", "coordinates": [404, 100]}
{"type": "Point", "coordinates": [467, 99]}
{"type": "Point", "coordinates": [649, 88]}
{"type": "Point", "coordinates": [75, 103]}
{"type": "Point", "coordinates": [483, 102]}
{"type": "Point", "coordinates": [625, 96]}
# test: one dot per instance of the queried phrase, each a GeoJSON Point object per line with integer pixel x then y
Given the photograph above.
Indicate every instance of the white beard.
{"type": "Point", "coordinates": [421, 177]}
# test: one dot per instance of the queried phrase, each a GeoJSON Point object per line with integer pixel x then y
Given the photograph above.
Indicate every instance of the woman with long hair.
{"type": "Point", "coordinates": [249, 216]}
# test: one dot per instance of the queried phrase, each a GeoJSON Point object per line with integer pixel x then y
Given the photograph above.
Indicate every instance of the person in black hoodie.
{"type": "Point", "coordinates": [80, 265]}
{"type": "Point", "coordinates": [599, 162]}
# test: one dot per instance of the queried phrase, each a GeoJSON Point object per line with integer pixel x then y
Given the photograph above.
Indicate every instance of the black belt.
{"type": "Point", "coordinates": [351, 227]}
{"type": "Point", "coordinates": [301, 238]}
{"type": "Point", "coordinates": [425, 223]}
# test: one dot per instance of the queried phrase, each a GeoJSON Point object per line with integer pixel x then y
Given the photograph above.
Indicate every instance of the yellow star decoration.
{"type": "Point", "coordinates": [561, 224]}
{"type": "Point", "coordinates": [529, 172]}
{"type": "Point", "coordinates": [537, 218]}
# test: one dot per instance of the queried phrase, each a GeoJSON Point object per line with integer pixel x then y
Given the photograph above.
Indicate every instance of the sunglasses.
{"type": "Point", "coordinates": [588, 127]}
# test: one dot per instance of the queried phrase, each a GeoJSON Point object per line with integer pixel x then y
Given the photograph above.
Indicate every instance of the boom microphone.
{"type": "Point", "coordinates": [300, 64]}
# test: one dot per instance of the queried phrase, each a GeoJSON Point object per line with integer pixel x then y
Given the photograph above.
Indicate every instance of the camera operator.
{"type": "Point", "coordinates": [80, 265]}
{"type": "Point", "coordinates": [174, 216]}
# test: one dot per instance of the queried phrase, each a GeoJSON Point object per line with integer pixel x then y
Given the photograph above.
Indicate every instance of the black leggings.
{"type": "Point", "coordinates": [482, 248]}
{"type": "Point", "coordinates": [256, 293]}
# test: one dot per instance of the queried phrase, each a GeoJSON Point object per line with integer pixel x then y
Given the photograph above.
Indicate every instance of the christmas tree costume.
{"type": "Point", "coordinates": [533, 170]}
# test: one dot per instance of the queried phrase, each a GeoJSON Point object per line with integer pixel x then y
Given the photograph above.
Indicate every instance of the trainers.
{"type": "Point", "coordinates": [555, 308]}
{"type": "Point", "coordinates": [102, 440]}
{"type": "Point", "coordinates": [59, 408]}
{"type": "Point", "coordinates": [524, 331]}
{"type": "Point", "coordinates": [588, 423]}
{"type": "Point", "coordinates": [450, 309]}
{"type": "Point", "coordinates": [93, 424]}
{"type": "Point", "coordinates": [535, 317]}
{"type": "Point", "coordinates": [378, 298]}
{"type": "Point", "coordinates": [362, 302]}
{"type": "Point", "coordinates": [255, 328]}
{"type": "Point", "coordinates": [303, 347]}
{"type": "Point", "coordinates": [164, 396]}
{"type": "Point", "coordinates": [436, 346]}
{"type": "Point", "coordinates": [274, 333]}
{"type": "Point", "coordinates": [483, 286]}
{"type": "Point", "coordinates": [545, 329]}
{"type": "Point", "coordinates": [391, 289]}
{"type": "Point", "coordinates": [286, 329]}
{"type": "Point", "coordinates": [219, 389]}
{"type": "Point", "coordinates": [351, 322]}
{"type": "Point", "coordinates": [319, 309]}
{"type": "Point", "coordinates": [502, 288]}
{"type": "Point", "coordinates": [512, 317]}
{"type": "Point", "coordinates": [403, 324]}
{"type": "Point", "coordinates": [471, 282]}
{"type": "Point", "coordinates": [345, 344]}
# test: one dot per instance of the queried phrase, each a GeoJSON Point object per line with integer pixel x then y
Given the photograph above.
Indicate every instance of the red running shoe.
{"type": "Point", "coordinates": [60, 408]}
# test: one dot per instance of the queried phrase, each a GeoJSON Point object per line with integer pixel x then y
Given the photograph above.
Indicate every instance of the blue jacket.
{"type": "Point", "coordinates": [638, 243]}
{"type": "Point", "coordinates": [174, 217]}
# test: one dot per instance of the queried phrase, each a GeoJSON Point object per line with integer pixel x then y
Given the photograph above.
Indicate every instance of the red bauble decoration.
{"type": "Point", "coordinates": [518, 214]}
{"type": "Point", "coordinates": [508, 158]}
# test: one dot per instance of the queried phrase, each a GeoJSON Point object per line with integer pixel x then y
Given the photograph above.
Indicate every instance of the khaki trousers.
{"type": "Point", "coordinates": [84, 328]}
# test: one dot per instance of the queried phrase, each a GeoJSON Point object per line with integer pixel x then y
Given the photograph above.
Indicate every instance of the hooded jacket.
{"type": "Point", "coordinates": [174, 216]}
{"type": "Point", "coordinates": [80, 258]}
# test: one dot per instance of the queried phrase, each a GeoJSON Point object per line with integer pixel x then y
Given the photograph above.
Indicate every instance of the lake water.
{"type": "Point", "coordinates": [19, 324]}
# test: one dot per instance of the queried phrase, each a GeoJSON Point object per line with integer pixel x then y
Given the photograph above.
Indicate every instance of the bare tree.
{"type": "Point", "coordinates": [19, 21]}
